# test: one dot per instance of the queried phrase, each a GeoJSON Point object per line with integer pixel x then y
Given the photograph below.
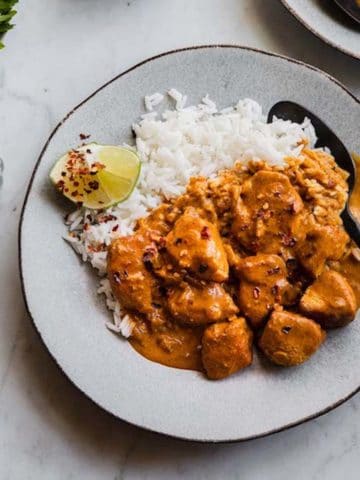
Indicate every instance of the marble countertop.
{"type": "Point", "coordinates": [59, 52]}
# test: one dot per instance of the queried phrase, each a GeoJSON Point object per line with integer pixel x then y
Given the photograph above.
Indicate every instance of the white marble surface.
{"type": "Point", "coordinates": [59, 53]}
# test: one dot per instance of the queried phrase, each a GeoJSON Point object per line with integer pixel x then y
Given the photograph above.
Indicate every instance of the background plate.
{"type": "Point", "coordinates": [326, 20]}
{"type": "Point", "coordinates": [60, 292]}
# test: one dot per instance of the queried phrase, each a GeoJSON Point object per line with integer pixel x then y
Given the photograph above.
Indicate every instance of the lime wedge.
{"type": "Point", "coordinates": [96, 176]}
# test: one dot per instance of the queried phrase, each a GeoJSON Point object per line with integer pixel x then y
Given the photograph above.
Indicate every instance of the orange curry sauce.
{"type": "Point", "coordinates": [178, 343]}
{"type": "Point", "coordinates": [349, 266]}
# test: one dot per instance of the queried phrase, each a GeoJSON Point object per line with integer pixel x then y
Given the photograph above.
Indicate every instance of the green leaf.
{"type": "Point", "coordinates": [4, 27]}
{"type": "Point", "coordinates": [6, 14]}
{"type": "Point", "coordinates": [7, 4]}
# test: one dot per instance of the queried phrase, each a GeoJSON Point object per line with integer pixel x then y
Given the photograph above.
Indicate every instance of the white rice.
{"type": "Point", "coordinates": [152, 101]}
{"type": "Point", "coordinates": [184, 142]}
{"type": "Point", "coordinates": [180, 99]}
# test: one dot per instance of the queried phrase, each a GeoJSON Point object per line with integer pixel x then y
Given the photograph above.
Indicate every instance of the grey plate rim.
{"type": "Point", "coordinates": [20, 254]}
{"type": "Point", "coordinates": [342, 49]}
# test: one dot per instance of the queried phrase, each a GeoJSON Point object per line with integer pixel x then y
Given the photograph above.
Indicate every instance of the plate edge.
{"type": "Point", "coordinates": [318, 35]}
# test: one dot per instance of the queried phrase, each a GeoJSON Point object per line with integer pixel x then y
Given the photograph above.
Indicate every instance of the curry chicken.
{"type": "Point", "coordinates": [257, 255]}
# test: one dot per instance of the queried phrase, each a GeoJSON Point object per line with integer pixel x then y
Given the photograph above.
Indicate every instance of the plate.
{"type": "Point", "coordinates": [60, 292]}
{"type": "Point", "coordinates": [327, 21]}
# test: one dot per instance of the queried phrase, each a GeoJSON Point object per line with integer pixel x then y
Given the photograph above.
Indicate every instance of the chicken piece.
{"type": "Point", "coordinates": [197, 194]}
{"type": "Point", "coordinates": [290, 339]}
{"type": "Point", "coordinates": [131, 282]}
{"type": "Point", "coordinates": [263, 284]}
{"type": "Point", "coordinates": [322, 243]}
{"type": "Point", "coordinates": [226, 348]}
{"type": "Point", "coordinates": [200, 305]}
{"type": "Point", "coordinates": [267, 214]}
{"type": "Point", "coordinates": [330, 300]}
{"type": "Point", "coordinates": [195, 244]}
{"type": "Point", "coordinates": [155, 221]}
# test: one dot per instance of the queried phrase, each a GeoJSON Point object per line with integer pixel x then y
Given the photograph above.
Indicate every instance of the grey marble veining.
{"type": "Point", "coordinates": [58, 54]}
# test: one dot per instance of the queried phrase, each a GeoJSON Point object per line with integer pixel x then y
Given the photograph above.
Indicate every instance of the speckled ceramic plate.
{"type": "Point", "coordinates": [329, 22]}
{"type": "Point", "coordinates": [60, 292]}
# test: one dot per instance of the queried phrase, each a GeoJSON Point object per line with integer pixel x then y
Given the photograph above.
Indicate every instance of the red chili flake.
{"type": "Point", "coordinates": [115, 228]}
{"type": "Point", "coordinates": [260, 213]}
{"type": "Point", "coordinates": [287, 240]}
{"type": "Point", "coordinates": [273, 271]}
{"type": "Point", "coordinates": [331, 183]}
{"type": "Point", "coordinates": [60, 185]}
{"type": "Point", "coordinates": [162, 244]}
{"type": "Point", "coordinates": [97, 166]}
{"type": "Point", "coordinates": [107, 218]}
{"type": "Point", "coordinates": [101, 247]}
{"type": "Point", "coordinates": [256, 292]}
{"type": "Point", "coordinates": [76, 184]}
{"type": "Point", "coordinates": [66, 190]}
{"type": "Point", "coordinates": [117, 277]}
{"type": "Point", "coordinates": [83, 136]}
{"type": "Point", "coordinates": [275, 290]}
{"type": "Point", "coordinates": [94, 185]}
{"type": "Point", "coordinates": [205, 233]}
{"type": "Point", "coordinates": [75, 193]}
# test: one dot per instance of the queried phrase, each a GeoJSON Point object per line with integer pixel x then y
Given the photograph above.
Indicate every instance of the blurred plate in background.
{"type": "Point", "coordinates": [326, 20]}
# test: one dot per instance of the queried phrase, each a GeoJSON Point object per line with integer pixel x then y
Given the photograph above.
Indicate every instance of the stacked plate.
{"type": "Point", "coordinates": [335, 22]}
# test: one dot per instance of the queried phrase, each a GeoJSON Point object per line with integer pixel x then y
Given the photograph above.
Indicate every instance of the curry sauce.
{"type": "Point", "coordinates": [355, 196]}
{"type": "Point", "coordinates": [174, 346]}
{"type": "Point", "coordinates": [238, 254]}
